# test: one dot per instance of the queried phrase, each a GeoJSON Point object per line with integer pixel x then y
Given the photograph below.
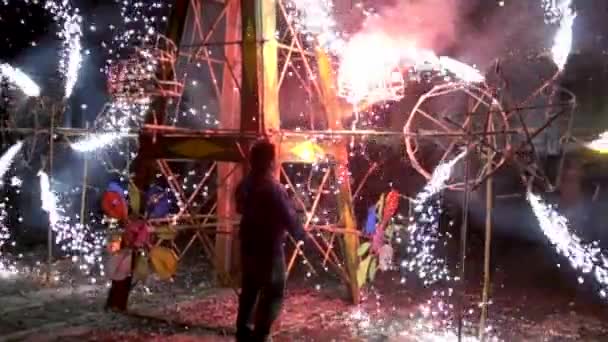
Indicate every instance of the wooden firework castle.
{"type": "Point", "coordinates": [254, 62]}
{"type": "Point", "coordinates": [246, 77]}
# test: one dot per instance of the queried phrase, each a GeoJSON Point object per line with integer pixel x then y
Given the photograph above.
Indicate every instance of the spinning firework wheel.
{"type": "Point", "coordinates": [451, 117]}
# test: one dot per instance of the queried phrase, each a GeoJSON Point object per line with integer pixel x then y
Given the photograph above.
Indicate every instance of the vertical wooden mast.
{"type": "Point", "coordinates": [259, 102]}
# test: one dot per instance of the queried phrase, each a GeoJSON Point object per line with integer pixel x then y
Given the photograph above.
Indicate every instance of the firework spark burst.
{"type": "Point", "coordinates": [586, 258]}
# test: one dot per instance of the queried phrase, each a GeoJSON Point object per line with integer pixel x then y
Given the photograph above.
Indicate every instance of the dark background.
{"type": "Point", "coordinates": [484, 32]}
{"type": "Point", "coordinates": [22, 25]}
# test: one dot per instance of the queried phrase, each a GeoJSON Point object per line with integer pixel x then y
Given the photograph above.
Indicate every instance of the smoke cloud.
{"type": "Point", "coordinates": [430, 24]}
{"type": "Point", "coordinates": [475, 31]}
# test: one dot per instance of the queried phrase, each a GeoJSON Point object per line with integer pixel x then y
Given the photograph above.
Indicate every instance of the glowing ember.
{"type": "Point", "coordinates": [586, 258]}
{"type": "Point", "coordinates": [20, 79]}
{"type": "Point", "coordinates": [96, 142]}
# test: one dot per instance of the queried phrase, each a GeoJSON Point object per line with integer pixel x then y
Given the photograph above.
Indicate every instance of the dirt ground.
{"type": "Point", "coordinates": [316, 309]}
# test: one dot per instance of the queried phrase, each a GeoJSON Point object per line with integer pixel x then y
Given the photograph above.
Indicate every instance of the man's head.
{"type": "Point", "coordinates": [262, 157]}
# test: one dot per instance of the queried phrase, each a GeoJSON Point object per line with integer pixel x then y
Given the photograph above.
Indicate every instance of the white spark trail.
{"type": "Point", "coordinates": [424, 234]}
{"type": "Point", "coordinates": [8, 157]}
{"type": "Point", "coordinates": [560, 12]}
{"type": "Point", "coordinates": [586, 258]}
{"type": "Point", "coordinates": [6, 268]}
{"type": "Point", "coordinates": [72, 61]}
{"type": "Point", "coordinates": [96, 141]}
{"type": "Point", "coordinates": [49, 200]}
{"type": "Point", "coordinates": [562, 43]}
{"type": "Point", "coordinates": [438, 180]}
{"type": "Point", "coordinates": [461, 70]}
{"type": "Point", "coordinates": [20, 79]}
{"type": "Point", "coordinates": [75, 239]}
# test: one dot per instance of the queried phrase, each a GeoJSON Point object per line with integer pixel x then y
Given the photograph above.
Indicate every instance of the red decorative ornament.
{"type": "Point", "coordinates": [391, 204]}
{"type": "Point", "coordinates": [137, 234]}
{"type": "Point", "coordinates": [114, 205]}
{"type": "Point", "coordinates": [390, 207]}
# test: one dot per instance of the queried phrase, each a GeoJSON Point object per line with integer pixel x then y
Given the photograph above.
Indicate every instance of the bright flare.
{"type": "Point", "coordinates": [586, 258]}
{"type": "Point", "coordinates": [371, 66]}
{"type": "Point", "coordinates": [599, 145]}
{"type": "Point", "coordinates": [20, 79]}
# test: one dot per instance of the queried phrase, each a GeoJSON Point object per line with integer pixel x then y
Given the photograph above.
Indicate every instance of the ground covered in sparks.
{"type": "Point", "coordinates": [190, 309]}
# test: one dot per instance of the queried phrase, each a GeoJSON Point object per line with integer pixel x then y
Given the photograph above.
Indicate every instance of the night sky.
{"type": "Point", "coordinates": [29, 41]}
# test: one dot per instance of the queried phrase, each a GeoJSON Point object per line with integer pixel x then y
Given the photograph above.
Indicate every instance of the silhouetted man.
{"type": "Point", "coordinates": [267, 215]}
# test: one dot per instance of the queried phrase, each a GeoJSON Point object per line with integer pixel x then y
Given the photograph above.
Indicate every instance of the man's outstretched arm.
{"type": "Point", "coordinates": [287, 214]}
{"type": "Point", "coordinates": [239, 197]}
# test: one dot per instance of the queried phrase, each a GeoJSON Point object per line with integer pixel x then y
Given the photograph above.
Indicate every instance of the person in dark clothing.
{"type": "Point", "coordinates": [267, 216]}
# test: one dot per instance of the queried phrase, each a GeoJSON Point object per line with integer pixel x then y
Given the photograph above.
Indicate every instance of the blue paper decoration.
{"type": "Point", "coordinates": [157, 202]}
{"type": "Point", "coordinates": [370, 226]}
{"type": "Point", "coordinates": [115, 187]}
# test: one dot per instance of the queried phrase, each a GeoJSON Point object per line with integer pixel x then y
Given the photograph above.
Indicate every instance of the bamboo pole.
{"type": "Point", "coordinates": [49, 241]}
{"type": "Point", "coordinates": [488, 234]}
{"type": "Point", "coordinates": [85, 181]}
{"type": "Point", "coordinates": [463, 246]}
{"type": "Point", "coordinates": [463, 234]}
{"type": "Point", "coordinates": [487, 252]}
